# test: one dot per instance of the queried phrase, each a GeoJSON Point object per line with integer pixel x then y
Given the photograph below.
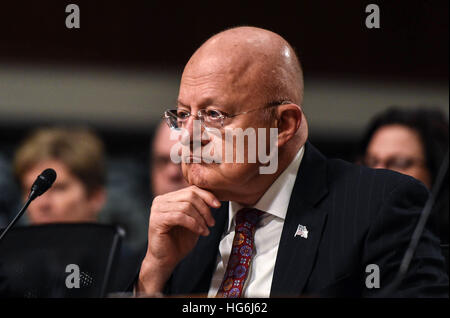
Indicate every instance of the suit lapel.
{"type": "Point", "coordinates": [296, 254]}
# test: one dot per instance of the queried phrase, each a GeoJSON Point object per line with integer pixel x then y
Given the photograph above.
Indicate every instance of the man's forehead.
{"type": "Point", "coordinates": [220, 84]}
{"type": "Point", "coordinates": [217, 66]}
{"type": "Point", "coordinates": [241, 66]}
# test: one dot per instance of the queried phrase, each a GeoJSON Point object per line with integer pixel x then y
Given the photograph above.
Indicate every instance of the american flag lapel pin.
{"type": "Point", "coordinates": [302, 231]}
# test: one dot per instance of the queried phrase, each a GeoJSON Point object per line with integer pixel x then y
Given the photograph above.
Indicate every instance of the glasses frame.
{"type": "Point", "coordinates": [396, 163]}
{"type": "Point", "coordinates": [201, 114]}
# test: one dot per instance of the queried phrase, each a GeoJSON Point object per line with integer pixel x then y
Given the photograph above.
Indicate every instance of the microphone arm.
{"type": "Point", "coordinates": [417, 234]}
{"type": "Point", "coordinates": [17, 217]}
{"type": "Point", "coordinates": [43, 182]}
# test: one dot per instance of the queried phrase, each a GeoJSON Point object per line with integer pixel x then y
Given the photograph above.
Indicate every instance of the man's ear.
{"type": "Point", "coordinates": [289, 119]}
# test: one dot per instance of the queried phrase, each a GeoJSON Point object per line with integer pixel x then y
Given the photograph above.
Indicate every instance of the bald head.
{"type": "Point", "coordinates": [256, 60]}
{"type": "Point", "coordinates": [243, 71]}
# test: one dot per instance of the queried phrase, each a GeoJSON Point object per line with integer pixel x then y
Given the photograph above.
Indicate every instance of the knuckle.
{"type": "Point", "coordinates": [172, 218]}
{"type": "Point", "coordinates": [191, 195]}
{"type": "Point", "coordinates": [186, 206]}
{"type": "Point", "coordinates": [157, 200]}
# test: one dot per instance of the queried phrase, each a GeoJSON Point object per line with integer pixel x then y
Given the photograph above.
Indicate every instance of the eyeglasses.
{"type": "Point", "coordinates": [209, 118]}
{"type": "Point", "coordinates": [395, 163]}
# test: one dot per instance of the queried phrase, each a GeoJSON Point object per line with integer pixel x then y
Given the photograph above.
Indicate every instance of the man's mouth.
{"type": "Point", "coordinates": [192, 159]}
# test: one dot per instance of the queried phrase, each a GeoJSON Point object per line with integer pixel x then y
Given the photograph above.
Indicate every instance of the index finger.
{"type": "Point", "coordinates": [207, 196]}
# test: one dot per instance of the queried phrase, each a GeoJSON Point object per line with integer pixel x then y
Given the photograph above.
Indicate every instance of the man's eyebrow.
{"type": "Point", "coordinates": [180, 103]}
{"type": "Point", "coordinates": [206, 103]}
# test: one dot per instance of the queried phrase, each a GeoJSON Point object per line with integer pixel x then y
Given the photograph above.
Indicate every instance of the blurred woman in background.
{"type": "Point", "coordinates": [412, 142]}
{"type": "Point", "coordinates": [77, 156]}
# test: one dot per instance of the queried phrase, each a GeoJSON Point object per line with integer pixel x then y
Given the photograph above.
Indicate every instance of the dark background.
{"type": "Point", "coordinates": [330, 37]}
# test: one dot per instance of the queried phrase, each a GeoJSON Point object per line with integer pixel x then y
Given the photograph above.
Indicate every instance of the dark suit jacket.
{"type": "Point", "coordinates": [355, 216]}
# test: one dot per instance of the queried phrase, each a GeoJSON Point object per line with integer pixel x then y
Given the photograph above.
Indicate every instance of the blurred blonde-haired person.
{"type": "Point", "coordinates": [77, 156]}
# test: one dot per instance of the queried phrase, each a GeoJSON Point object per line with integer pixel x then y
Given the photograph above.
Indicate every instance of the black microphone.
{"type": "Point", "coordinates": [43, 182]}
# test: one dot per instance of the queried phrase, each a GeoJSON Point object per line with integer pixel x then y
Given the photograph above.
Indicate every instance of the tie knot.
{"type": "Point", "coordinates": [248, 216]}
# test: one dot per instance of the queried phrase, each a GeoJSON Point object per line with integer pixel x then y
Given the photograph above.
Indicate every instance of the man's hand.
{"type": "Point", "coordinates": [177, 219]}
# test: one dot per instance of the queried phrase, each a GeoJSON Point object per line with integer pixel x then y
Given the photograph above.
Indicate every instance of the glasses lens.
{"type": "Point", "coordinates": [400, 164]}
{"type": "Point", "coordinates": [172, 119]}
{"type": "Point", "coordinates": [211, 118]}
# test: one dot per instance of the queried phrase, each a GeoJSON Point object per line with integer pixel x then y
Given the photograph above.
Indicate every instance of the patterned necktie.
{"type": "Point", "coordinates": [241, 253]}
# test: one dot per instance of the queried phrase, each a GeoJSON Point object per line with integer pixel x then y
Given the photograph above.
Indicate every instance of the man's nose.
{"type": "Point", "coordinates": [188, 125]}
{"type": "Point", "coordinates": [193, 132]}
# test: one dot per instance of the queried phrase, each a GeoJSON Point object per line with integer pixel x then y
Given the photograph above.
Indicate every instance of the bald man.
{"type": "Point", "coordinates": [312, 227]}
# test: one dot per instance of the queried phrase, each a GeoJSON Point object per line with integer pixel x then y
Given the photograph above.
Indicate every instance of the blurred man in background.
{"type": "Point", "coordinates": [165, 175]}
{"type": "Point", "coordinates": [412, 142]}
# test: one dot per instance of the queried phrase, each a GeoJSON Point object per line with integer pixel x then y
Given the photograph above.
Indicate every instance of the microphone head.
{"type": "Point", "coordinates": [43, 182]}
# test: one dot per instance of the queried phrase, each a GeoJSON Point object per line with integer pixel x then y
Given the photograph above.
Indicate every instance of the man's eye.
{"type": "Point", "coordinates": [400, 163]}
{"type": "Point", "coordinates": [182, 114]}
{"type": "Point", "coordinates": [213, 114]}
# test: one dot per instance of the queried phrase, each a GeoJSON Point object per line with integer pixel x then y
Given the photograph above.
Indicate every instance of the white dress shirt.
{"type": "Point", "coordinates": [274, 202]}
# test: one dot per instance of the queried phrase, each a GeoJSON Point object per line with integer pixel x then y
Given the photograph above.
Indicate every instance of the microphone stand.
{"type": "Point", "coordinates": [417, 234]}
{"type": "Point", "coordinates": [31, 197]}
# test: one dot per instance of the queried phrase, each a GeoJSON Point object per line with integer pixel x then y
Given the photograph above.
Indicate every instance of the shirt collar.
{"type": "Point", "coordinates": [276, 199]}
